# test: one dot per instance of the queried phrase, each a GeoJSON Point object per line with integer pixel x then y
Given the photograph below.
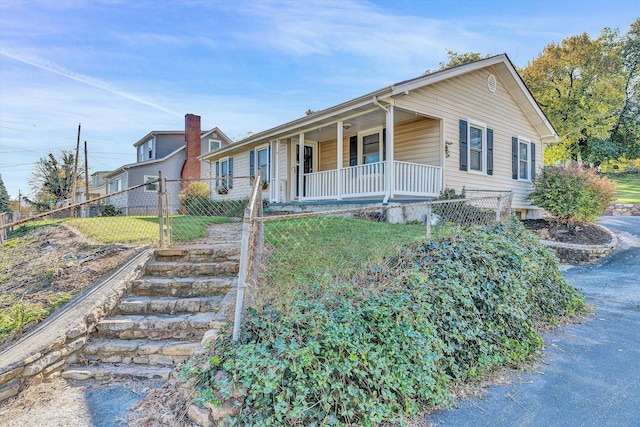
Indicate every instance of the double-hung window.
{"type": "Point", "coordinates": [476, 147]}
{"type": "Point", "coordinates": [260, 158]}
{"type": "Point", "coordinates": [150, 148]}
{"type": "Point", "coordinates": [224, 173]}
{"type": "Point", "coordinates": [523, 159]}
{"type": "Point", "coordinates": [367, 147]}
{"type": "Point", "coordinates": [214, 144]}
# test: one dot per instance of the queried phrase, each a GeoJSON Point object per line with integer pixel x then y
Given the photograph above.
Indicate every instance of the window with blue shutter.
{"type": "Point", "coordinates": [353, 150]}
{"type": "Point", "coordinates": [463, 145]}
{"type": "Point", "coordinates": [489, 151]}
{"type": "Point", "coordinates": [514, 158]}
{"type": "Point", "coordinates": [533, 161]}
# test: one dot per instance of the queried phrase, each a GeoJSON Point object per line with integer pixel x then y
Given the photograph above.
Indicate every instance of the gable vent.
{"type": "Point", "coordinates": [491, 83]}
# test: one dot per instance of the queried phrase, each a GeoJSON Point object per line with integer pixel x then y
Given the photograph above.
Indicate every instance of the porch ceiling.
{"type": "Point", "coordinates": [354, 124]}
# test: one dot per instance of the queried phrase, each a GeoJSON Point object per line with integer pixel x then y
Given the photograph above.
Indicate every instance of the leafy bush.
{"type": "Point", "coordinates": [572, 193]}
{"type": "Point", "coordinates": [110, 210]}
{"type": "Point", "coordinates": [195, 191]}
{"type": "Point", "coordinates": [376, 350]}
{"type": "Point", "coordinates": [227, 208]}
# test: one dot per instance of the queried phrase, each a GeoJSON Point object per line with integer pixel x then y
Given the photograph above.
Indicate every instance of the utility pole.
{"type": "Point", "coordinates": [86, 178]}
{"type": "Point", "coordinates": [75, 171]}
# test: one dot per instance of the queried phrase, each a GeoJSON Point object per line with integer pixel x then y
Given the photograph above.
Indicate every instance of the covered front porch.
{"type": "Point", "coordinates": [381, 153]}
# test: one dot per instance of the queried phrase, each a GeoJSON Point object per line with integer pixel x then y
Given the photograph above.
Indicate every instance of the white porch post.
{"type": "Point", "coordinates": [390, 175]}
{"type": "Point", "coordinates": [276, 190]}
{"type": "Point", "coordinates": [301, 166]}
{"type": "Point", "coordinates": [339, 177]}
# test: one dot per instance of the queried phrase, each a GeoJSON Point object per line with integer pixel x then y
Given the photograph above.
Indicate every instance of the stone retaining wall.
{"type": "Point", "coordinates": [622, 209]}
{"type": "Point", "coordinates": [569, 253]}
{"type": "Point", "coordinates": [43, 353]}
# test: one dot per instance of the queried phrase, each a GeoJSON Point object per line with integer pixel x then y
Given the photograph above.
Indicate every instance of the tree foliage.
{"type": "Point", "coordinates": [4, 196]}
{"type": "Point", "coordinates": [53, 176]}
{"type": "Point", "coordinates": [456, 59]}
{"type": "Point", "coordinates": [589, 90]}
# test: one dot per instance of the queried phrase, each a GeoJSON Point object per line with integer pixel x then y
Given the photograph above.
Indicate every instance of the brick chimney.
{"type": "Point", "coordinates": [192, 134]}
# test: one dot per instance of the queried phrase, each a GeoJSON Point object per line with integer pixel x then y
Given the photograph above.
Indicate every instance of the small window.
{"type": "Point", "coordinates": [214, 144]}
{"type": "Point", "coordinates": [263, 165]}
{"type": "Point", "coordinates": [150, 148]}
{"type": "Point", "coordinates": [153, 186]}
{"type": "Point", "coordinates": [476, 148]}
{"type": "Point", "coordinates": [118, 184]}
{"type": "Point", "coordinates": [523, 160]}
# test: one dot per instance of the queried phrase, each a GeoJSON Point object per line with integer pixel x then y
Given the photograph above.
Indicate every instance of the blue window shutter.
{"type": "Point", "coordinates": [353, 150]}
{"type": "Point", "coordinates": [217, 173]}
{"type": "Point", "coordinates": [230, 172]}
{"type": "Point", "coordinates": [463, 145]}
{"type": "Point", "coordinates": [514, 157]}
{"type": "Point", "coordinates": [489, 151]}
{"type": "Point", "coordinates": [533, 161]}
{"type": "Point", "coordinates": [252, 163]}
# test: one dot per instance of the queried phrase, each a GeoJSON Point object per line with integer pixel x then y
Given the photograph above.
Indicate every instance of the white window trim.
{"type": "Point", "coordinates": [218, 141]}
{"type": "Point", "coordinates": [527, 141]}
{"type": "Point", "coordinates": [368, 132]}
{"type": "Point", "coordinates": [257, 166]}
{"type": "Point", "coordinates": [221, 181]}
{"type": "Point", "coordinates": [152, 154]}
{"type": "Point", "coordinates": [146, 187]}
{"type": "Point", "coordinates": [483, 156]}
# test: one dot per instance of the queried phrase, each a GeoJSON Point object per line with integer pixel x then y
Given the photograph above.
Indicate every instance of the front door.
{"type": "Point", "coordinates": [308, 166]}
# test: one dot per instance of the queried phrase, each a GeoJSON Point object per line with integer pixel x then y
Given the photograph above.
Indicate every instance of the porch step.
{"type": "Point", "coordinates": [218, 252]}
{"type": "Point", "coordinates": [186, 269]}
{"type": "Point", "coordinates": [106, 371]}
{"type": "Point", "coordinates": [140, 352]}
{"type": "Point", "coordinates": [159, 327]}
{"type": "Point", "coordinates": [182, 286]}
{"type": "Point", "coordinates": [168, 305]}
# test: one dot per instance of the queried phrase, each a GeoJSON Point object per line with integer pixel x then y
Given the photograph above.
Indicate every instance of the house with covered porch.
{"type": "Point", "coordinates": [475, 126]}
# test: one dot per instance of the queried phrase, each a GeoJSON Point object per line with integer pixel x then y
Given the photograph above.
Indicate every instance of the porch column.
{"type": "Point", "coordinates": [275, 184]}
{"type": "Point", "coordinates": [301, 166]}
{"type": "Point", "coordinates": [390, 173]}
{"type": "Point", "coordinates": [339, 177]}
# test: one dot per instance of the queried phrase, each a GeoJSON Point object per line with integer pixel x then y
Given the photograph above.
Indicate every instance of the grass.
{"type": "Point", "coordinates": [628, 187]}
{"type": "Point", "coordinates": [142, 229]}
{"type": "Point", "coordinates": [307, 254]}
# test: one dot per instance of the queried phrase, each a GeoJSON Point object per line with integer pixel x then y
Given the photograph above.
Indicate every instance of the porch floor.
{"type": "Point", "coordinates": [332, 205]}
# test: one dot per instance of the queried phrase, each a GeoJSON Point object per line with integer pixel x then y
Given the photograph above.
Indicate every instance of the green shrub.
{"type": "Point", "coordinates": [195, 191]}
{"type": "Point", "coordinates": [572, 193]}
{"type": "Point", "coordinates": [377, 349]}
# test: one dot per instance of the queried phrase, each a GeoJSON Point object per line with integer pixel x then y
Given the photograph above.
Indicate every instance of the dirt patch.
{"type": "Point", "coordinates": [578, 234]}
{"type": "Point", "coordinates": [42, 268]}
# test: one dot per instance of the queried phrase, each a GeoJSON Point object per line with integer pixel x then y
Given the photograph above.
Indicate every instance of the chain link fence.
{"type": "Point", "coordinates": [192, 206]}
{"type": "Point", "coordinates": [305, 252]}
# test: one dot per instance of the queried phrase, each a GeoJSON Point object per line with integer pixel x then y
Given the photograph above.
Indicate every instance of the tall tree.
{"type": "Point", "coordinates": [4, 196]}
{"type": "Point", "coordinates": [580, 84]}
{"type": "Point", "coordinates": [53, 176]}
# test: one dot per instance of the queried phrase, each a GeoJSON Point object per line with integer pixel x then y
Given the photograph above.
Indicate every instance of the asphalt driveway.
{"type": "Point", "coordinates": [590, 372]}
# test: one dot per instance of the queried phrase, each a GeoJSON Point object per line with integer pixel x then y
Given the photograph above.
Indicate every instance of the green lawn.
{"type": "Point", "coordinates": [628, 188]}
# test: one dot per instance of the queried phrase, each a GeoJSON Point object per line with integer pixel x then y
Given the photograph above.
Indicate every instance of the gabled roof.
{"type": "Point", "coordinates": [507, 71]}
{"type": "Point", "coordinates": [154, 133]}
{"type": "Point", "coordinates": [221, 134]}
{"type": "Point", "coordinates": [124, 168]}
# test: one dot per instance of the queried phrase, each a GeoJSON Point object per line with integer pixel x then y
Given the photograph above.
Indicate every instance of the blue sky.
{"type": "Point", "coordinates": [124, 68]}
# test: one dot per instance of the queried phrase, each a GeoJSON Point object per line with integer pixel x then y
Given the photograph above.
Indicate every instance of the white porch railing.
{"type": "Point", "coordinates": [410, 179]}
{"type": "Point", "coordinates": [413, 179]}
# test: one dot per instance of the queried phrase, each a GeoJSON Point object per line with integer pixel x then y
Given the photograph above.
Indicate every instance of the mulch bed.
{"type": "Point", "coordinates": [579, 234]}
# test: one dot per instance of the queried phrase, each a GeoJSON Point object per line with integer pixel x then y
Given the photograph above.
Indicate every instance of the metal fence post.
{"type": "Point", "coordinates": [498, 208]}
{"type": "Point", "coordinates": [241, 285]}
{"type": "Point", "coordinates": [160, 216]}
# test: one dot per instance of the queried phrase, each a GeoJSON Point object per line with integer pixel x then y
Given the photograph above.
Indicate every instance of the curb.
{"type": "Point", "coordinates": [569, 253]}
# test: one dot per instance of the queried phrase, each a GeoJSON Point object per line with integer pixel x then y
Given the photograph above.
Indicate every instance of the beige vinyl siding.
{"type": "Point", "coordinates": [418, 141]}
{"type": "Point", "coordinates": [328, 154]}
{"type": "Point", "coordinates": [467, 97]}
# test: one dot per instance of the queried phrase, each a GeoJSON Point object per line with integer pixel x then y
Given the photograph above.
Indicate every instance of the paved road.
{"type": "Point", "coordinates": [590, 375]}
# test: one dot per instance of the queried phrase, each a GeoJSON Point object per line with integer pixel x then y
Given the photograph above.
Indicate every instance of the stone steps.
{"type": "Point", "coordinates": [107, 371]}
{"type": "Point", "coordinates": [182, 286]}
{"type": "Point", "coordinates": [141, 352]}
{"type": "Point", "coordinates": [168, 305]}
{"type": "Point", "coordinates": [164, 317]}
{"type": "Point", "coordinates": [186, 269]}
{"type": "Point", "coordinates": [158, 327]}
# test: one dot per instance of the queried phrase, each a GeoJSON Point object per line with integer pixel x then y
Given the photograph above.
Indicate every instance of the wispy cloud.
{"type": "Point", "coordinates": [81, 78]}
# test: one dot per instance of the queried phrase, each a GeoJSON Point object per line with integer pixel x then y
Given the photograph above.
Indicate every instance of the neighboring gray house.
{"type": "Point", "coordinates": [175, 153]}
